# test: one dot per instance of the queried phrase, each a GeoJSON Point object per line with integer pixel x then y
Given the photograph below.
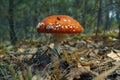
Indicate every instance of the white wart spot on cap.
{"type": "Point", "coordinates": [56, 23]}
{"type": "Point", "coordinates": [50, 23]}
{"type": "Point", "coordinates": [69, 20]}
{"type": "Point", "coordinates": [64, 20]}
{"type": "Point", "coordinates": [76, 26]}
{"type": "Point", "coordinates": [40, 24]}
{"type": "Point", "coordinates": [71, 27]}
{"type": "Point", "coordinates": [59, 25]}
{"type": "Point", "coordinates": [62, 26]}
{"type": "Point", "coordinates": [54, 28]}
{"type": "Point", "coordinates": [73, 30]}
{"type": "Point", "coordinates": [66, 27]}
{"type": "Point", "coordinates": [49, 27]}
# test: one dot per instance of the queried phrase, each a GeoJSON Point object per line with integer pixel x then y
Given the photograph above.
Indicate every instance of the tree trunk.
{"type": "Point", "coordinates": [84, 13]}
{"type": "Point", "coordinates": [99, 17]}
{"type": "Point", "coordinates": [106, 20]}
{"type": "Point", "coordinates": [36, 13]}
{"type": "Point", "coordinates": [13, 37]}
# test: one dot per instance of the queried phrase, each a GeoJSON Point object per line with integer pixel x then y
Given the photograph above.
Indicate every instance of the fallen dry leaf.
{"type": "Point", "coordinates": [51, 46]}
{"type": "Point", "coordinates": [35, 77]}
{"type": "Point", "coordinates": [20, 50]}
{"type": "Point", "coordinates": [114, 56]}
{"type": "Point", "coordinates": [33, 50]}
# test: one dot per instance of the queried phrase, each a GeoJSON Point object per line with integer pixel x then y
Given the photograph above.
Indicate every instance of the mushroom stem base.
{"type": "Point", "coordinates": [58, 38]}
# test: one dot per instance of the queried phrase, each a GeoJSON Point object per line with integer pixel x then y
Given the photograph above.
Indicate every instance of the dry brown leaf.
{"type": "Point", "coordinates": [33, 50]}
{"type": "Point", "coordinates": [35, 77]}
{"type": "Point", "coordinates": [79, 65]}
{"type": "Point", "coordinates": [87, 67]}
{"type": "Point", "coordinates": [110, 39]}
{"type": "Point", "coordinates": [51, 46]}
{"type": "Point", "coordinates": [20, 50]}
{"type": "Point", "coordinates": [2, 53]}
{"type": "Point", "coordinates": [114, 56]}
{"type": "Point", "coordinates": [67, 57]}
{"type": "Point", "coordinates": [89, 41]}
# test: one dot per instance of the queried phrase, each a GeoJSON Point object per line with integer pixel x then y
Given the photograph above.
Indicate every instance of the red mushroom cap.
{"type": "Point", "coordinates": [59, 24]}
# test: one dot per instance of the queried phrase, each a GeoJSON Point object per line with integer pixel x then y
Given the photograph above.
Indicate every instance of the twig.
{"type": "Point", "coordinates": [106, 73]}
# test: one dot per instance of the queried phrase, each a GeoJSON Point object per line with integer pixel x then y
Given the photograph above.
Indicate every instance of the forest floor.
{"type": "Point", "coordinates": [82, 58]}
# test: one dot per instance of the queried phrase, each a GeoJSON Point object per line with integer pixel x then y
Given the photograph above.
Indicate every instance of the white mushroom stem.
{"type": "Point", "coordinates": [58, 38]}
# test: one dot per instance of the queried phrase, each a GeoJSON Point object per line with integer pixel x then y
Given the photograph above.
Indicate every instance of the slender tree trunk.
{"type": "Point", "coordinates": [106, 20]}
{"type": "Point", "coordinates": [117, 16]}
{"type": "Point", "coordinates": [13, 37]}
{"type": "Point", "coordinates": [99, 17]}
{"type": "Point", "coordinates": [84, 14]}
{"type": "Point", "coordinates": [36, 13]}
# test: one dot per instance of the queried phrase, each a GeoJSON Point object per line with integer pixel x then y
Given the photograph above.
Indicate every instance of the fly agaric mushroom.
{"type": "Point", "coordinates": [59, 26]}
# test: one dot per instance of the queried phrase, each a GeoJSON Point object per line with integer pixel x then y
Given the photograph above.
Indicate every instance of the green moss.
{"type": "Point", "coordinates": [1, 46]}
{"type": "Point", "coordinates": [81, 36]}
{"type": "Point", "coordinates": [113, 35]}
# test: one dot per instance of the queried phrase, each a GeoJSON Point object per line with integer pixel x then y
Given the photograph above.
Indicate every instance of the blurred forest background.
{"type": "Point", "coordinates": [91, 55]}
{"type": "Point", "coordinates": [18, 18]}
